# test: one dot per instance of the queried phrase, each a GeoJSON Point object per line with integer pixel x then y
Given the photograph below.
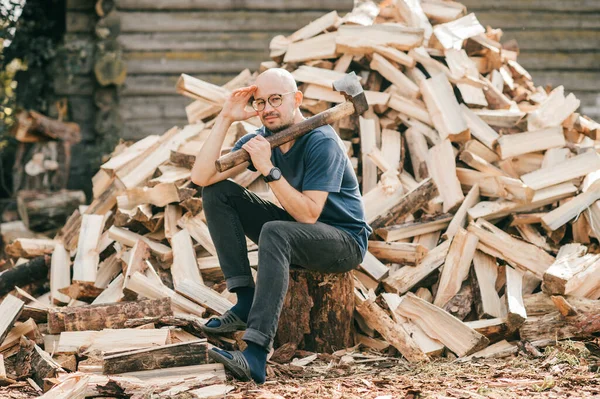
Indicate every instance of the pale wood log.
{"type": "Point", "coordinates": [85, 265]}
{"type": "Point", "coordinates": [500, 117]}
{"type": "Point", "coordinates": [496, 186]}
{"type": "Point", "coordinates": [407, 277]}
{"type": "Point", "coordinates": [429, 346]}
{"type": "Point", "coordinates": [112, 293]}
{"type": "Point", "coordinates": [136, 261]}
{"type": "Point", "coordinates": [441, 325]}
{"type": "Point", "coordinates": [109, 268]}
{"type": "Point", "coordinates": [407, 204]}
{"type": "Point", "coordinates": [442, 168]}
{"type": "Point", "coordinates": [459, 221]}
{"type": "Point", "coordinates": [73, 386]}
{"type": "Point", "coordinates": [494, 329]}
{"type": "Point", "coordinates": [112, 315]}
{"type": "Point", "coordinates": [498, 209]}
{"type": "Point", "coordinates": [171, 174]}
{"type": "Point", "coordinates": [130, 155]}
{"type": "Point", "coordinates": [373, 267]}
{"type": "Point", "coordinates": [561, 215]}
{"type": "Point", "coordinates": [554, 326]}
{"type": "Point", "coordinates": [495, 98]}
{"type": "Point", "coordinates": [572, 168]}
{"type": "Point", "coordinates": [444, 110]}
{"type": "Point", "coordinates": [410, 108]}
{"type": "Point", "coordinates": [148, 288]}
{"type": "Point", "coordinates": [395, 55]}
{"type": "Point", "coordinates": [486, 270]}
{"type": "Point", "coordinates": [159, 195]}
{"type": "Point", "coordinates": [30, 247]}
{"type": "Point", "coordinates": [412, 229]}
{"type": "Point", "coordinates": [10, 309]}
{"type": "Point", "coordinates": [174, 355]}
{"type": "Point", "coordinates": [429, 240]}
{"type": "Point", "coordinates": [456, 267]}
{"type": "Point", "coordinates": [367, 144]}
{"type": "Point", "coordinates": [522, 143]}
{"type": "Point", "coordinates": [405, 87]}
{"type": "Point", "coordinates": [398, 252]}
{"type": "Point", "coordinates": [317, 76]}
{"type": "Point", "coordinates": [27, 329]}
{"type": "Point", "coordinates": [443, 11]}
{"type": "Point", "coordinates": [362, 39]}
{"type": "Point", "coordinates": [476, 147]}
{"type": "Point", "coordinates": [318, 47]}
{"type": "Point", "coordinates": [515, 309]}
{"type": "Point", "coordinates": [111, 340]}
{"type": "Point", "coordinates": [480, 164]}
{"type": "Point", "coordinates": [452, 34]}
{"type": "Point", "coordinates": [184, 260]}
{"type": "Point", "coordinates": [393, 332]}
{"type": "Point", "coordinates": [203, 295]}
{"type": "Point", "coordinates": [198, 89]}
{"type": "Point", "coordinates": [572, 273]}
{"type": "Point", "coordinates": [418, 151]}
{"type": "Point", "coordinates": [461, 65]}
{"type": "Point", "coordinates": [315, 27]}
{"type": "Point", "coordinates": [129, 238]}
{"type": "Point", "coordinates": [198, 229]}
{"type": "Point", "coordinates": [391, 147]}
{"type": "Point", "coordinates": [60, 273]}
{"type": "Point", "coordinates": [173, 213]}
{"type": "Point", "coordinates": [526, 218]}
{"type": "Point", "coordinates": [513, 250]}
{"type": "Point", "coordinates": [523, 164]}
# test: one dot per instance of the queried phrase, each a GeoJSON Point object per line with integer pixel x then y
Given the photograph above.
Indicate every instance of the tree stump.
{"type": "Point", "coordinates": [317, 311]}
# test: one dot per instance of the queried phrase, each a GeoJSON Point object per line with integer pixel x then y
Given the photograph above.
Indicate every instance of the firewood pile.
{"type": "Point", "coordinates": [482, 190]}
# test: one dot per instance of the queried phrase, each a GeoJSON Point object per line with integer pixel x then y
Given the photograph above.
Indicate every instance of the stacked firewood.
{"type": "Point", "coordinates": [482, 190]}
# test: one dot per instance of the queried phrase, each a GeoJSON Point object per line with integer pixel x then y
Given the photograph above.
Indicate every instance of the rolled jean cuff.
{"type": "Point", "coordinates": [258, 338]}
{"type": "Point", "coordinates": [238, 282]}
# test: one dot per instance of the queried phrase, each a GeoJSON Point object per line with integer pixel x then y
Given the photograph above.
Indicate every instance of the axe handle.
{"type": "Point", "coordinates": [329, 116]}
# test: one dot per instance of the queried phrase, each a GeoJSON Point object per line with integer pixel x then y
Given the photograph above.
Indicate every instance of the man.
{"type": "Point", "coordinates": [321, 226]}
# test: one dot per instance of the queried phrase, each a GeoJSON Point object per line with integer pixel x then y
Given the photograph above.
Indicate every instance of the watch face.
{"type": "Point", "coordinates": [276, 173]}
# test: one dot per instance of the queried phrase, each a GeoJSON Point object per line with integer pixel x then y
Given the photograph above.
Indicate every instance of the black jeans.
{"type": "Point", "coordinates": [232, 212]}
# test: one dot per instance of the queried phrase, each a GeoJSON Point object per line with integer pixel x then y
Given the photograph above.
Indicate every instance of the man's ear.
{"type": "Point", "coordinates": [298, 97]}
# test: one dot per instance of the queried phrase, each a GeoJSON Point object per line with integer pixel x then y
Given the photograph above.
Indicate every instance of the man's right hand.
{"type": "Point", "coordinates": [234, 108]}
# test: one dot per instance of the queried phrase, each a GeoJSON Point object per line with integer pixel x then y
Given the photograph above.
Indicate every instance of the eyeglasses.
{"type": "Point", "coordinates": [274, 99]}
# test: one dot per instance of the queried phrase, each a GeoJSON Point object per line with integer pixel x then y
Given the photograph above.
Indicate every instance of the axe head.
{"type": "Point", "coordinates": [351, 88]}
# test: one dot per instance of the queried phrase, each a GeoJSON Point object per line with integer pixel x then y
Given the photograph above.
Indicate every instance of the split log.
{"type": "Point", "coordinates": [203, 295]}
{"type": "Point", "coordinates": [398, 252]}
{"type": "Point", "coordinates": [412, 229]}
{"type": "Point", "coordinates": [407, 277]}
{"type": "Point", "coordinates": [10, 309]}
{"type": "Point", "coordinates": [174, 355]}
{"type": "Point", "coordinates": [540, 140]}
{"type": "Point", "coordinates": [60, 274]}
{"type": "Point", "coordinates": [373, 267]}
{"type": "Point", "coordinates": [486, 270]}
{"type": "Point", "coordinates": [24, 274]}
{"type": "Point", "coordinates": [407, 204]}
{"type": "Point", "coordinates": [45, 211]}
{"type": "Point", "coordinates": [572, 168]}
{"type": "Point", "coordinates": [32, 361]}
{"type": "Point", "coordinates": [515, 309]}
{"type": "Point", "coordinates": [85, 342]}
{"type": "Point", "coordinates": [459, 221]}
{"type": "Point", "coordinates": [441, 325]}
{"type": "Point", "coordinates": [442, 168]}
{"type": "Point", "coordinates": [393, 332]}
{"type": "Point", "coordinates": [309, 306]}
{"type": "Point", "coordinates": [554, 326]}
{"type": "Point", "coordinates": [457, 266]}
{"type": "Point", "coordinates": [98, 317]}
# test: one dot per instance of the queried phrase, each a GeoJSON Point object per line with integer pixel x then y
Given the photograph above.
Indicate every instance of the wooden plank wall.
{"type": "Point", "coordinates": [559, 41]}
{"type": "Point", "coordinates": [212, 40]}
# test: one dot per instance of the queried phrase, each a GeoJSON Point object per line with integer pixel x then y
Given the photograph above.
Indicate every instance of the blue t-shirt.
{"type": "Point", "coordinates": [317, 161]}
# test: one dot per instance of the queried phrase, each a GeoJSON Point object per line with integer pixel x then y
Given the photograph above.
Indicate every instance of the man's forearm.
{"type": "Point", "coordinates": [299, 205]}
{"type": "Point", "coordinates": [204, 166]}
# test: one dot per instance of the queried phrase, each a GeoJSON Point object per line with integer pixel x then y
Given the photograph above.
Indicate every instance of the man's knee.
{"type": "Point", "coordinates": [274, 233]}
{"type": "Point", "coordinates": [219, 192]}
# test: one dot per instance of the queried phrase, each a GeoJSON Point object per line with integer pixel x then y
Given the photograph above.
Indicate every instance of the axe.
{"type": "Point", "coordinates": [356, 103]}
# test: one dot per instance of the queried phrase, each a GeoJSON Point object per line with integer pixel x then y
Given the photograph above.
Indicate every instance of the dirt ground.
{"type": "Point", "coordinates": [568, 370]}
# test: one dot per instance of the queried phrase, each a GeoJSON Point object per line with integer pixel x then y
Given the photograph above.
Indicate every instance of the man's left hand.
{"type": "Point", "coordinates": [260, 153]}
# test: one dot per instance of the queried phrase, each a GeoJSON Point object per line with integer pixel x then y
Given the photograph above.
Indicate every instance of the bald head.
{"type": "Point", "coordinates": [276, 78]}
{"type": "Point", "coordinates": [273, 82]}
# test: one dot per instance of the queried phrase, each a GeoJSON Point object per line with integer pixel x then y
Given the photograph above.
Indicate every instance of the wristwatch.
{"type": "Point", "coordinates": [274, 174]}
